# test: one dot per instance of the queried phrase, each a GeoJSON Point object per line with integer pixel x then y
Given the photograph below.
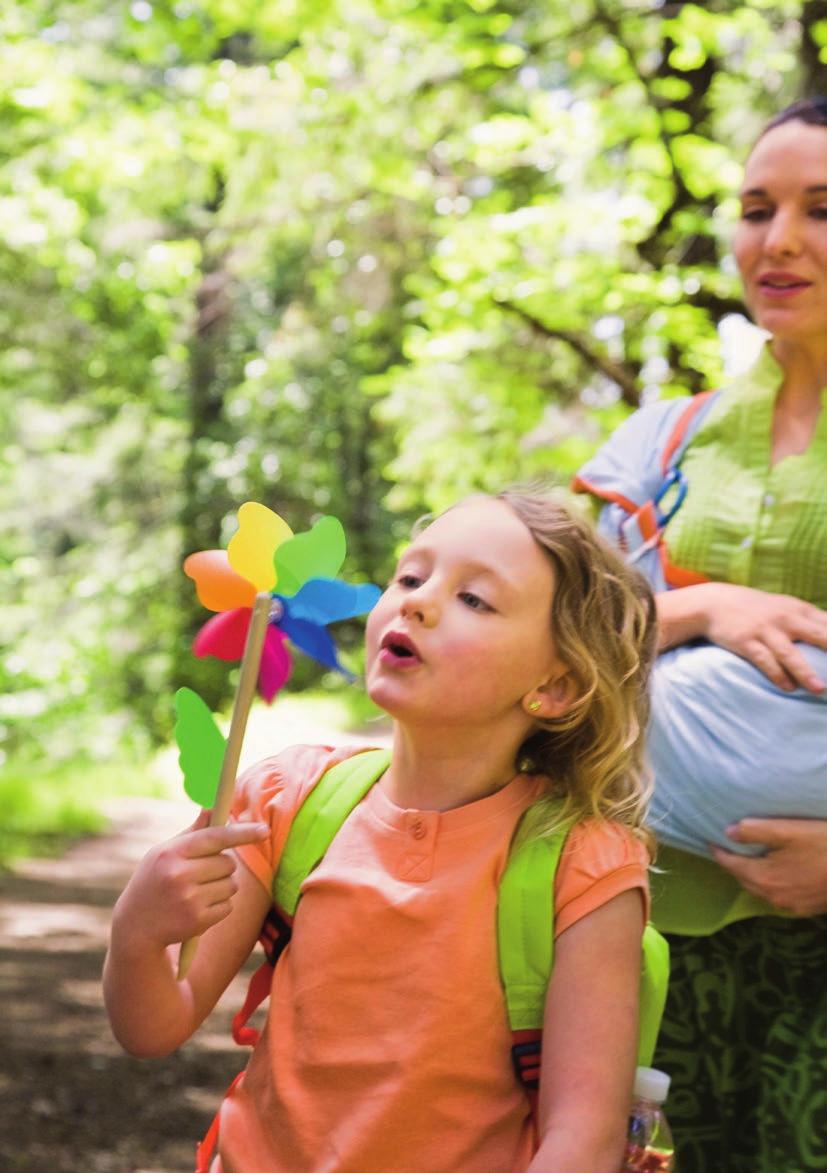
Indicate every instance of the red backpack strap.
{"type": "Point", "coordinates": [205, 1149]}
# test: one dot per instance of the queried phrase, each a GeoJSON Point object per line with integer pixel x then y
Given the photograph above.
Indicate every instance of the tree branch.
{"type": "Point", "coordinates": [619, 374]}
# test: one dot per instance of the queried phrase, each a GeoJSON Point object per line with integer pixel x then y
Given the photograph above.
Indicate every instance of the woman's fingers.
{"type": "Point", "coordinates": [793, 873]}
{"type": "Point", "coordinates": [767, 660]}
{"type": "Point", "coordinates": [792, 662]}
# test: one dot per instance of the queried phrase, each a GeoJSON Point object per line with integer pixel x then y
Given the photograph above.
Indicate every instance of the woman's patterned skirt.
{"type": "Point", "coordinates": [744, 1038]}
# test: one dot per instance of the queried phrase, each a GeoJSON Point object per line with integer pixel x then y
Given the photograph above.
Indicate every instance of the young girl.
{"type": "Point", "coordinates": [510, 649]}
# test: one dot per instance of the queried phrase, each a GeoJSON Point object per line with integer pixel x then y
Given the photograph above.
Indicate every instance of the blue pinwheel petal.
{"type": "Point", "coordinates": [326, 600]}
{"type": "Point", "coordinates": [313, 639]}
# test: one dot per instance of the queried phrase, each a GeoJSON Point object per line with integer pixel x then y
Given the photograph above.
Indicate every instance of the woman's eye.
{"type": "Point", "coordinates": [756, 214]}
{"type": "Point", "coordinates": [474, 601]}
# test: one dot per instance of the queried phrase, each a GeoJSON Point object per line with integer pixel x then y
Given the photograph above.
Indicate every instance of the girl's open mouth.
{"type": "Point", "coordinates": [398, 651]}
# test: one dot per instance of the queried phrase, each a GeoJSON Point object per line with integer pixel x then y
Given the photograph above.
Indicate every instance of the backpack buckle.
{"type": "Point", "coordinates": [526, 1054]}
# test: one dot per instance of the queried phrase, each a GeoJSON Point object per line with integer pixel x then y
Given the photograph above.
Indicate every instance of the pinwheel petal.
{"type": "Point", "coordinates": [314, 640]}
{"type": "Point", "coordinates": [319, 553]}
{"type": "Point", "coordinates": [200, 747]}
{"type": "Point", "coordinates": [251, 549]}
{"type": "Point", "coordinates": [218, 586]}
{"type": "Point", "coordinates": [224, 636]}
{"type": "Point", "coordinates": [326, 600]}
{"type": "Point", "coordinates": [275, 664]}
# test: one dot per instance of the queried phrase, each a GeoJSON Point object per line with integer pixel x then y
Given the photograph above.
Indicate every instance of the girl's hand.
{"type": "Point", "coordinates": [184, 886]}
{"type": "Point", "coordinates": [761, 627]}
{"type": "Point", "coordinates": [793, 874]}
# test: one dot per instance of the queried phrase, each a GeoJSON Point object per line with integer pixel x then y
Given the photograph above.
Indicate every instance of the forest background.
{"type": "Point", "coordinates": [345, 256]}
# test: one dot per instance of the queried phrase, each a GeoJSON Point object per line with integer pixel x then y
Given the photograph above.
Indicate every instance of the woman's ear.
{"type": "Point", "coordinates": [554, 697]}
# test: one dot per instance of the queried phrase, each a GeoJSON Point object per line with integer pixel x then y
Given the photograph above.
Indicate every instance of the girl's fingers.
{"type": "Point", "coordinates": [212, 840]}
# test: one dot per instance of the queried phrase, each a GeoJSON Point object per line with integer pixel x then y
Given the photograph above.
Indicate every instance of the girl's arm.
{"type": "Point", "coordinates": [761, 627]}
{"type": "Point", "coordinates": [187, 887]}
{"type": "Point", "coordinates": [590, 1040]}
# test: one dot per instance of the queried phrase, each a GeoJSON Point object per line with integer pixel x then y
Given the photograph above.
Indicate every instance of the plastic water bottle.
{"type": "Point", "coordinates": [649, 1146]}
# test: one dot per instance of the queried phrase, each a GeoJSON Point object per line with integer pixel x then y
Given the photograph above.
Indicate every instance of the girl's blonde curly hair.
{"type": "Point", "coordinates": [603, 625]}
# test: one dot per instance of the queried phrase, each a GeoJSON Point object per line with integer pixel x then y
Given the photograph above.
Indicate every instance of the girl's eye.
{"type": "Point", "coordinates": [474, 601]}
{"type": "Point", "coordinates": [819, 213]}
{"type": "Point", "coordinates": [411, 581]}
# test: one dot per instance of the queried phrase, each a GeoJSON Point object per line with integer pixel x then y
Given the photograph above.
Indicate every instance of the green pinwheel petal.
{"type": "Point", "coordinates": [200, 747]}
{"type": "Point", "coordinates": [319, 553]}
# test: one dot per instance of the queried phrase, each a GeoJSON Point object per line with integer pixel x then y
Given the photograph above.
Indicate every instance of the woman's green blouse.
{"type": "Point", "coordinates": [745, 520]}
{"type": "Point", "coordinates": [749, 522]}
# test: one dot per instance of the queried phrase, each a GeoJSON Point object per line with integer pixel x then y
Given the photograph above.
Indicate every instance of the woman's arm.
{"type": "Point", "coordinates": [590, 1040]}
{"type": "Point", "coordinates": [793, 873]}
{"type": "Point", "coordinates": [183, 888]}
{"type": "Point", "coordinates": [761, 627]}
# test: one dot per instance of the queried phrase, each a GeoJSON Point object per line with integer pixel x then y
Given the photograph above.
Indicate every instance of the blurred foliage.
{"type": "Point", "coordinates": [356, 256]}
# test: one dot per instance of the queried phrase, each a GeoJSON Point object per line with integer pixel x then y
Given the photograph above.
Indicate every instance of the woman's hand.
{"type": "Point", "coordinates": [184, 886]}
{"type": "Point", "coordinates": [793, 874]}
{"type": "Point", "coordinates": [756, 625]}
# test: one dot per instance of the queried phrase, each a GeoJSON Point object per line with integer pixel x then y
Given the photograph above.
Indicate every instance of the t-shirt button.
{"type": "Point", "coordinates": [418, 829]}
{"type": "Point", "coordinates": [769, 500]}
{"type": "Point", "coordinates": [746, 543]}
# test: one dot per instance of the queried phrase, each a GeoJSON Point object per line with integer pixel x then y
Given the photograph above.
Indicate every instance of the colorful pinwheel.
{"type": "Point", "coordinates": [265, 554]}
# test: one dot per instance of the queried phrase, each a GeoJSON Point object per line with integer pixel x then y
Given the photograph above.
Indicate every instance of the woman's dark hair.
{"type": "Point", "coordinates": [812, 111]}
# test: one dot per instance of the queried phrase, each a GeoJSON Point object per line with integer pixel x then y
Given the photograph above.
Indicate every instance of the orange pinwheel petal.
{"type": "Point", "coordinates": [251, 549]}
{"type": "Point", "coordinates": [219, 587]}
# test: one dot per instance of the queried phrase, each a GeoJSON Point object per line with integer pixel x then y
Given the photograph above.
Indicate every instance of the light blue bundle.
{"type": "Point", "coordinates": [723, 741]}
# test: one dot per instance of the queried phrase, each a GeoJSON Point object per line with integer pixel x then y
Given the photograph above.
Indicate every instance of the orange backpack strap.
{"type": "Point", "coordinates": [637, 476]}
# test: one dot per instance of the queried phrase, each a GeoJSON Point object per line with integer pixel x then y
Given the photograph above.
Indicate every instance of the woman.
{"type": "Point", "coordinates": [745, 1030]}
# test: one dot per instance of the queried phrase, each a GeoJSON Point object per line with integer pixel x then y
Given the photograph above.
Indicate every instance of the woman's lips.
{"type": "Point", "coordinates": [782, 286]}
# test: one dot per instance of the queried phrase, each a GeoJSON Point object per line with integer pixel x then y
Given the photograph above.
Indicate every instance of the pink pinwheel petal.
{"type": "Point", "coordinates": [224, 635]}
{"type": "Point", "coordinates": [275, 664]}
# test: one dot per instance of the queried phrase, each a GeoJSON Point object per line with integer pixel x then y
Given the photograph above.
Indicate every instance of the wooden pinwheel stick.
{"type": "Point", "coordinates": [244, 693]}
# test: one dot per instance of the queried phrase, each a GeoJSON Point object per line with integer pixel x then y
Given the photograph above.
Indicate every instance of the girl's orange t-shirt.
{"type": "Point", "coordinates": [387, 1045]}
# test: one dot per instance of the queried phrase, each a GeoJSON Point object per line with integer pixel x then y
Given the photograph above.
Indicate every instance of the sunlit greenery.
{"type": "Point", "coordinates": [354, 256]}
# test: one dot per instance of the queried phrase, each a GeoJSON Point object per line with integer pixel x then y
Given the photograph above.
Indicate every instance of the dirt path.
{"type": "Point", "coordinates": [69, 1098]}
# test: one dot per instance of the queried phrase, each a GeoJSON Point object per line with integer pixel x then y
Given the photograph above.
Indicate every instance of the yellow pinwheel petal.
{"type": "Point", "coordinates": [251, 549]}
{"type": "Point", "coordinates": [219, 587]}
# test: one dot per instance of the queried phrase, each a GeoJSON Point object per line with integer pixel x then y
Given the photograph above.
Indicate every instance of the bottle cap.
{"type": "Point", "coordinates": [651, 1084]}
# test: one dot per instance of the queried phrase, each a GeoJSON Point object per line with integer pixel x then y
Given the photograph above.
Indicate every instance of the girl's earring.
{"type": "Point", "coordinates": [533, 706]}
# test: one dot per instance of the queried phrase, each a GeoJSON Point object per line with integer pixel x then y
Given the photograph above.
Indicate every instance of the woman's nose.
{"type": "Point", "coordinates": [783, 237]}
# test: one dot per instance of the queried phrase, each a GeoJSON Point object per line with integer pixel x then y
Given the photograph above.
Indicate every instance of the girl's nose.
{"type": "Point", "coordinates": [420, 607]}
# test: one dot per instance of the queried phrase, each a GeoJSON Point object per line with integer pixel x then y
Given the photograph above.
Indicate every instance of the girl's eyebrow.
{"type": "Point", "coordinates": [472, 565]}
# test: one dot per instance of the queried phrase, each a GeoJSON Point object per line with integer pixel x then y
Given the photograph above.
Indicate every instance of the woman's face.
{"type": "Point", "coordinates": [780, 244]}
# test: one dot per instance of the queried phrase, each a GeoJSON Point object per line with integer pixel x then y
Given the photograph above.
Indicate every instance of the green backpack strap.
{"type": "Point", "coordinates": [654, 982]}
{"type": "Point", "coordinates": [318, 819]}
{"type": "Point", "coordinates": [525, 937]}
{"type": "Point", "coordinates": [525, 920]}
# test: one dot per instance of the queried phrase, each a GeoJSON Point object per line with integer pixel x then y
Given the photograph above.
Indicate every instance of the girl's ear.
{"type": "Point", "coordinates": [554, 697]}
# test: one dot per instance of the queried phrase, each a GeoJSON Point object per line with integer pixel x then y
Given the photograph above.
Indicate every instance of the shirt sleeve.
{"type": "Point", "coordinates": [600, 859]}
{"type": "Point", "coordinates": [271, 792]}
